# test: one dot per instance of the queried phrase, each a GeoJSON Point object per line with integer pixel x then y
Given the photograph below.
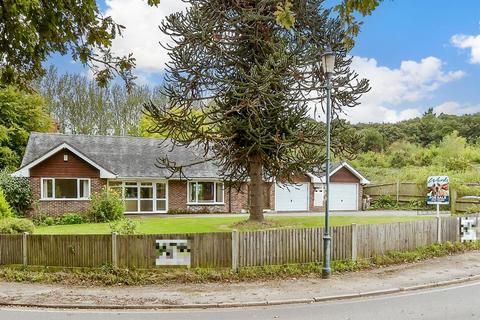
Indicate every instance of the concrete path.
{"type": "Point", "coordinates": [425, 272]}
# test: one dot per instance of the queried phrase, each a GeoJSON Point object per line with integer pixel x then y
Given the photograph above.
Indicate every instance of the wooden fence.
{"type": "Point", "coordinates": [399, 191]}
{"type": "Point", "coordinates": [404, 192]}
{"type": "Point", "coordinates": [466, 205]}
{"type": "Point", "coordinates": [226, 250]}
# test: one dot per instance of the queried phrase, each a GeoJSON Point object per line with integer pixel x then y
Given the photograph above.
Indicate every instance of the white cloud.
{"type": "Point", "coordinates": [411, 82]}
{"type": "Point", "coordinates": [468, 42]}
{"type": "Point", "coordinates": [376, 113]}
{"type": "Point", "coordinates": [142, 35]}
{"type": "Point", "coordinates": [455, 108]}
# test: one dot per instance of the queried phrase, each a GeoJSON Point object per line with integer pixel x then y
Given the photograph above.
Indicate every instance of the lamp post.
{"type": "Point", "coordinates": [328, 62]}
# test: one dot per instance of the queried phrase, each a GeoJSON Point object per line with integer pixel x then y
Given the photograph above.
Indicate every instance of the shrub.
{"type": "Point", "coordinates": [106, 205]}
{"type": "Point", "coordinates": [124, 226]}
{"type": "Point", "coordinates": [72, 218]}
{"type": "Point", "coordinates": [16, 226]}
{"type": "Point", "coordinates": [18, 192]}
{"type": "Point", "coordinates": [5, 210]}
{"type": "Point", "coordinates": [43, 220]}
{"type": "Point", "coordinates": [457, 164]}
{"type": "Point", "coordinates": [202, 210]}
{"type": "Point", "coordinates": [384, 202]}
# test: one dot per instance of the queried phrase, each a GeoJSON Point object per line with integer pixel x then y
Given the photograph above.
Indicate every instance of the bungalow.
{"type": "Point", "coordinates": [65, 170]}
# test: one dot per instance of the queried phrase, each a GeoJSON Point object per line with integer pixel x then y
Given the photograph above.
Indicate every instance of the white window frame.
{"type": "Point", "coordinates": [138, 185]}
{"type": "Point", "coordinates": [54, 198]}
{"type": "Point", "coordinates": [215, 202]}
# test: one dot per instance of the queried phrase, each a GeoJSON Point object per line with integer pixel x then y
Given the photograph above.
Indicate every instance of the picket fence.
{"type": "Point", "coordinates": [226, 249]}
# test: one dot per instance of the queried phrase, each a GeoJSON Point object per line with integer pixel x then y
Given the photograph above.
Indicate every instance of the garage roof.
{"type": "Point", "coordinates": [334, 167]}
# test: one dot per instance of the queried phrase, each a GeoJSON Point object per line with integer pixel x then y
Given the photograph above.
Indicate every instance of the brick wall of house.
{"type": "Point", "coordinates": [177, 194]}
{"type": "Point", "coordinates": [60, 207]}
{"type": "Point", "coordinates": [177, 198]}
{"type": "Point", "coordinates": [360, 197]}
{"type": "Point", "coordinates": [239, 199]}
{"type": "Point", "coordinates": [59, 166]}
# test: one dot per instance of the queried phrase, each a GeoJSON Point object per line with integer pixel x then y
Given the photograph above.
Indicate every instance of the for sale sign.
{"type": "Point", "coordinates": [438, 191]}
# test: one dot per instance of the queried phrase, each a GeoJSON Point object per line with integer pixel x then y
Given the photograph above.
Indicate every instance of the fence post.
{"type": "Point", "coordinates": [235, 251]}
{"type": "Point", "coordinates": [398, 191]}
{"type": "Point", "coordinates": [354, 241]}
{"type": "Point", "coordinates": [459, 225]}
{"type": "Point", "coordinates": [114, 250]}
{"type": "Point", "coordinates": [439, 229]}
{"type": "Point", "coordinates": [453, 201]}
{"type": "Point", "coordinates": [24, 249]}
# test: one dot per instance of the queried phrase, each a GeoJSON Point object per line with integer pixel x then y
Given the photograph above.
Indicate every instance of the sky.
{"type": "Point", "coordinates": [416, 54]}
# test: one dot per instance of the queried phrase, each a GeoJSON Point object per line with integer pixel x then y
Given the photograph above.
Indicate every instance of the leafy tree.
{"type": "Point", "coordinates": [372, 140]}
{"type": "Point", "coordinates": [148, 128]}
{"type": "Point", "coordinates": [253, 79]}
{"type": "Point", "coordinates": [349, 12]}
{"type": "Point", "coordinates": [80, 106]}
{"type": "Point", "coordinates": [452, 145]}
{"type": "Point", "coordinates": [33, 30]}
{"type": "Point", "coordinates": [20, 113]}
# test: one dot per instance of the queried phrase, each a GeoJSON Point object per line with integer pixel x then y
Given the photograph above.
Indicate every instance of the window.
{"type": "Point", "coordinates": [141, 196]}
{"type": "Point", "coordinates": [161, 197]}
{"type": "Point", "coordinates": [63, 188]}
{"type": "Point", "coordinates": [47, 188]}
{"type": "Point", "coordinates": [205, 192]}
{"type": "Point", "coordinates": [84, 189]}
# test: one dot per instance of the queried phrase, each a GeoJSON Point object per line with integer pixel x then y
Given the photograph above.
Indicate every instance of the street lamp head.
{"type": "Point", "coordinates": [328, 61]}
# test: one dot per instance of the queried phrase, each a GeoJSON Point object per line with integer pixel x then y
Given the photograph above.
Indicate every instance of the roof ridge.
{"type": "Point", "coordinates": [93, 135]}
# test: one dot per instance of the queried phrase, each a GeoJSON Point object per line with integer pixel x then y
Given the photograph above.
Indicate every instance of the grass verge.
{"type": "Point", "coordinates": [109, 276]}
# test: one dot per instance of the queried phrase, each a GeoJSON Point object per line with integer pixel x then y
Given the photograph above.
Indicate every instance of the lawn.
{"type": "Point", "coordinates": [157, 225]}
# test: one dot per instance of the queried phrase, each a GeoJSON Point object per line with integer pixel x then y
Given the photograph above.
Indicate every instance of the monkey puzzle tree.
{"type": "Point", "coordinates": [254, 80]}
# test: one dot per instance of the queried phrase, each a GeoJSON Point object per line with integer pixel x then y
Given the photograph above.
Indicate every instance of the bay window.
{"type": "Point", "coordinates": [65, 189]}
{"type": "Point", "coordinates": [205, 192]}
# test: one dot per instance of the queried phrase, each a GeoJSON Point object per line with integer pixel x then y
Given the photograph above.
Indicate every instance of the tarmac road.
{"type": "Point", "coordinates": [452, 303]}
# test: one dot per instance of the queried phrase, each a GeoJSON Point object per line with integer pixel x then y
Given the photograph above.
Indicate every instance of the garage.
{"type": "Point", "coordinates": [343, 196]}
{"type": "Point", "coordinates": [292, 197]}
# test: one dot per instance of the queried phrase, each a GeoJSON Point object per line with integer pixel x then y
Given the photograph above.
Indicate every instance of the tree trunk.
{"type": "Point", "coordinates": [256, 188]}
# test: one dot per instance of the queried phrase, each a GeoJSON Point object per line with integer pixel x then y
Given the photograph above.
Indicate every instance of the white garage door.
{"type": "Point", "coordinates": [291, 197]}
{"type": "Point", "coordinates": [343, 196]}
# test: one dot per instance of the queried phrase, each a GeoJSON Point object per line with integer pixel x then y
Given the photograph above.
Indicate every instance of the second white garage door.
{"type": "Point", "coordinates": [293, 198]}
{"type": "Point", "coordinates": [343, 196]}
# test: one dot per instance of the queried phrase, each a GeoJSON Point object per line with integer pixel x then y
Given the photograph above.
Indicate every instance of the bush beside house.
{"type": "Point", "coordinates": [106, 206]}
{"type": "Point", "coordinates": [9, 224]}
{"type": "Point", "coordinates": [5, 210]}
{"type": "Point", "coordinates": [17, 192]}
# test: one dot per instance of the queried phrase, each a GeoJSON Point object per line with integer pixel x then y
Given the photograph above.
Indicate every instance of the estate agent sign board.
{"type": "Point", "coordinates": [438, 190]}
